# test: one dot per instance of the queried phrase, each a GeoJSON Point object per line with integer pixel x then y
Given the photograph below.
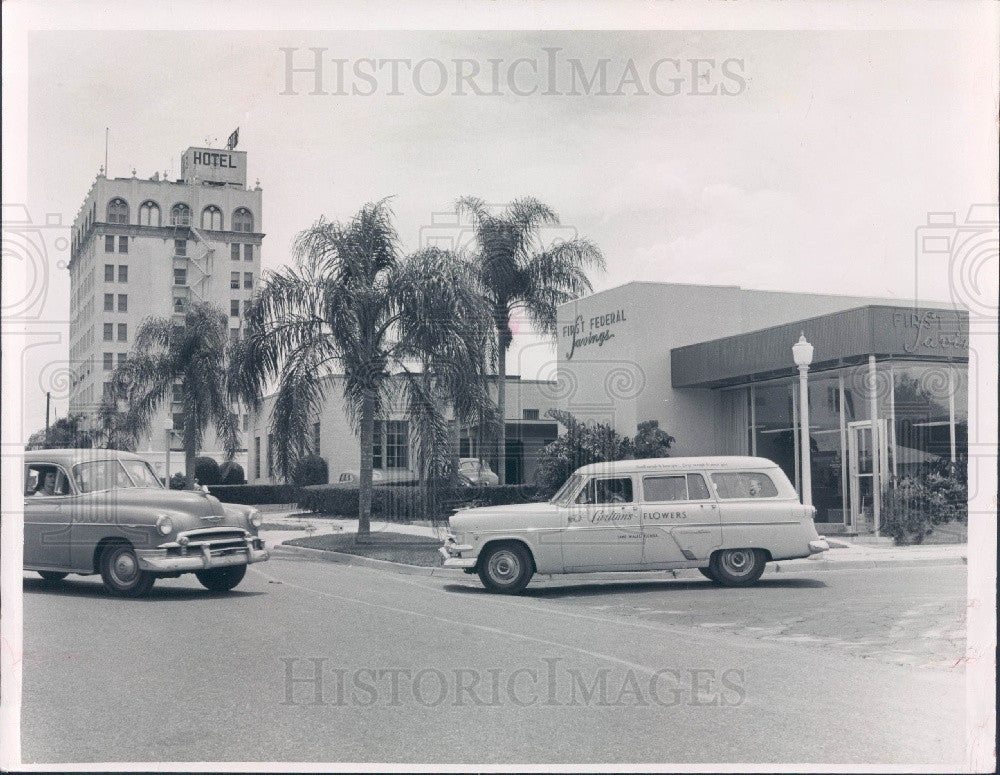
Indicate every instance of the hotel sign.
{"type": "Point", "coordinates": [214, 166]}
{"type": "Point", "coordinates": [596, 330]}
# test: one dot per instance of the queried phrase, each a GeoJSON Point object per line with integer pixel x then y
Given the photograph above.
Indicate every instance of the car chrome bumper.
{"type": "Point", "coordinates": [452, 553]}
{"type": "Point", "coordinates": [200, 558]}
{"type": "Point", "coordinates": [819, 545]}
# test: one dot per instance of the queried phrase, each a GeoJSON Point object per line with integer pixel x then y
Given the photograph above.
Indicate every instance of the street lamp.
{"type": "Point", "coordinates": [802, 353]}
{"type": "Point", "coordinates": [168, 429]}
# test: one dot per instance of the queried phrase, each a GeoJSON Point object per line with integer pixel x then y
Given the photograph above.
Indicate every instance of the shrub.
{"type": "Point", "coordinates": [178, 481]}
{"type": "Point", "coordinates": [650, 441]}
{"type": "Point", "coordinates": [310, 470]}
{"type": "Point", "coordinates": [582, 444]}
{"type": "Point", "coordinates": [255, 494]}
{"type": "Point", "coordinates": [913, 505]}
{"type": "Point", "coordinates": [232, 473]}
{"type": "Point", "coordinates": [206, 470]}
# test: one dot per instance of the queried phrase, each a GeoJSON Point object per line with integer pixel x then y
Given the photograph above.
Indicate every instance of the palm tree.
{"type": "Point", "coordinates": [517, 272]}
{"type": "Point", "coordinates": [113, 430]}
{"type": "Point", "coordinates": [193, 355]}
{"type": "Point", "coordinates": [391, 327]}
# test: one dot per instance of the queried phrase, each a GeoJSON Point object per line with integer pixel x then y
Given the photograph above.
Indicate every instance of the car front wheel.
{"type": "Point", "coordinates": [506, 568]}
{"type": "Point", "coordinates": [121, 574]}
{"type": "Point", "coordinates": [738, 567]}
{"type": "Point", "coordinates": [222, 579]}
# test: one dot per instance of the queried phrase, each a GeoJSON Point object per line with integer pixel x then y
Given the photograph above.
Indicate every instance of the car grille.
{"type": "Point", "coordinates": [219, 542]}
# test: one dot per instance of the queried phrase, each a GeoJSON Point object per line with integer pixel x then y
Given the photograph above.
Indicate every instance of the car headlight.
{"type": "Point", "coordinates": [255, 518]}
{"type": "Point", "coordinates": [165, 525]}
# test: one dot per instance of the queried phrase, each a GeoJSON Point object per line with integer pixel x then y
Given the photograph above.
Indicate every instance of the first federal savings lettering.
{"type": "Point", "coordinates": [597, 330]}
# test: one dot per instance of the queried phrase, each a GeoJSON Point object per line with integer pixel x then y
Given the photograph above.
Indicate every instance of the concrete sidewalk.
{"type": "Point", "coordinates": [845, 554]}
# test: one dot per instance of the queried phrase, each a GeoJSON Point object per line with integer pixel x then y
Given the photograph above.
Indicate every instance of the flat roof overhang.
{"type": "Point", "coordinates": [839, 339]}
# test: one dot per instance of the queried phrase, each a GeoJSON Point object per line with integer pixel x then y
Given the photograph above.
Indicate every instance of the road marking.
{"type": "Point", "coordinates": [519, 603]}
{"type": "Point", "coordinates": [645, 669]}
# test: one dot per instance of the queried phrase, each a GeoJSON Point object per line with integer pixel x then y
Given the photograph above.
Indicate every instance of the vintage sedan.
{"type": "Point", "coordinates": [726, 516]}
{"type": "Point", "coordinates": [101, 511]}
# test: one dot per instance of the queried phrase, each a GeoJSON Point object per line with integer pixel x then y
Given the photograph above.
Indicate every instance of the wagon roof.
{"type": "Point", "coordinates": [728, 463]}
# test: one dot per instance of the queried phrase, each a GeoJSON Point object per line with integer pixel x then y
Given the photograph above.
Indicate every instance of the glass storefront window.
{"type": "Point", "coordinates": [826, 448]}
{"type": "Point", "coordinates": [774, 432]}
{"type": "Point", "coordinates": [921, 414]}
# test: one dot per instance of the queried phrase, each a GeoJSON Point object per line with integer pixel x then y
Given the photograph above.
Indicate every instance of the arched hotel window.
{"type": "Point", "coordinates": [242, 220]}
{"type": "Point", "coordinates": [117, 211]}
{"type": "Point", "coordinates": [211, 218]}
{"type": "Point", "coordinates": [180, 215]}
{"type": "Point", "coordinates": [149, 214]}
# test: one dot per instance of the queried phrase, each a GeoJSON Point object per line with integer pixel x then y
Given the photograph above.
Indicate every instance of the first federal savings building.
{"type": "Point", "coordinates": [888, 383]}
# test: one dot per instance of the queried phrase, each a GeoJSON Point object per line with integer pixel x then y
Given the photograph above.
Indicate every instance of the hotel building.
{"type": "Point", "coordinates": [150, 247]}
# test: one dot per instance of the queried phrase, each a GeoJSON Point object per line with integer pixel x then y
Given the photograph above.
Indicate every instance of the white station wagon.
{"type": "Point", "coordinates": [726, 516]}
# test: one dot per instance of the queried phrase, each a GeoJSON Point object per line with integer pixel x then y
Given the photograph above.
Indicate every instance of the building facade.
{"type": "Point", "coordinates": [887, 388]}
{"type": "Point", "coordinates": [150, 247]}
{"type": "Point", "coordinates": [528, 429]}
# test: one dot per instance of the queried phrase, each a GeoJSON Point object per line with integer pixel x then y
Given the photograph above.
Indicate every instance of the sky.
{"type": "Point", "coordinates": [809, 169]}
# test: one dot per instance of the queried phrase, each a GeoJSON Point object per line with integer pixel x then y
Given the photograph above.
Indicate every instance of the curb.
{"type": "Point", "coordinates": [889, 562]}
{"type": "Point", "coordinates": [324, 555]}
{"type": "Point", "coordinates": [792, 566]}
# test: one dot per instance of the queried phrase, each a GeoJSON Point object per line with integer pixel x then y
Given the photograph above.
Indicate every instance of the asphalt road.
{"type": "Point", "coordinates": [840, 667]}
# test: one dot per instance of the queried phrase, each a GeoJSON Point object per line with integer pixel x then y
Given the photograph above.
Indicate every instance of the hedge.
{"type": "Point", "coordinates": [255, 494]}
{"type": "Point", "coordinates": [404, 503]}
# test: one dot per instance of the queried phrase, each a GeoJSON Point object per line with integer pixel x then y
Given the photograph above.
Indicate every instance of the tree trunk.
{"type": "Point", "coordinates": [190, 451]}
{"type": "Point", "coordinates": [456, 443]}
{"type": "Point", "coordinates": [365, 468]}
{"type": "Point", "coordinates": [502, 411]}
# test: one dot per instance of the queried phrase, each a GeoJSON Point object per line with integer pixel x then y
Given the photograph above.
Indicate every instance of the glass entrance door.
{"type": "Point", "coordinates": [862, 459]}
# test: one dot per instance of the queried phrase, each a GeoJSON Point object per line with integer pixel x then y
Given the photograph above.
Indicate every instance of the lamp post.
{"type": "Point", "coordinates": [802, 353]}
{"type": "Point", "coordinates": [168, 429]}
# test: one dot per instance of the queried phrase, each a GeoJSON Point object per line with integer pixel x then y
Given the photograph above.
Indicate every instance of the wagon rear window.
{"type": "Point", "coordinates": [744, 485]}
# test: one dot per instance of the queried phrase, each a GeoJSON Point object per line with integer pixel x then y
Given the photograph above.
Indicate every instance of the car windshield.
{"type": "Point", "coordinates": [112, 475]}
{"type": "Point", "coordinates": [141, 474]}
{"type": "Point", "coordinates": [564, 493]}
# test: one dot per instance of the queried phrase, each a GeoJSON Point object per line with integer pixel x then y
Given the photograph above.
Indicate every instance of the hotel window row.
{"type": "Point", "coordinates": [234, 280]}
{"type": "Point", "coordinates": [180, 215]}
{"type": "Point", "coordinates": [109, 243]}
{"type": "Point", "coordinates": [109, 332]}
{"type": "Point", "coordinates": [109, 302]}
{"type": "Point", "coordinates": [109, 273]}
{"type": "Point", "coordinates": [238, 248]}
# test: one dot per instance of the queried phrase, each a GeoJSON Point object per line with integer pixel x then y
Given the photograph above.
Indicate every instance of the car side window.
{"type": "Point", "coordinates": [697, 489]}
{"type": "Point", "coordinates": [45, 480]}
{"type": "Point", "coordinates": [744, 484]}
{"type": "Point", "coordinates": [607, 491]}
{"type": "Point", "coordinates": [660, 489]}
